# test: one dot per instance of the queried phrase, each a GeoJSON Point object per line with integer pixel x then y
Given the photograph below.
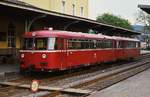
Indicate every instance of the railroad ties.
{"type": "Point", "coordinates": [75, 87]}
{"type": "Point", "coordinates": [69, 88]}
{"type": "Point", "coordinates": [47, 88]}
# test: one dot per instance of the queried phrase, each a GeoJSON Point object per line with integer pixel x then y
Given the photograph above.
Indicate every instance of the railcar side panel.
{"type": "Point", "coordinates": [75, 58]}
{"type": "Point", "coordinates": [105, 55]}
{"type": "Point", "coordinates": [119, 53]}
{"type": "Point", "coordinates": [132, 52]}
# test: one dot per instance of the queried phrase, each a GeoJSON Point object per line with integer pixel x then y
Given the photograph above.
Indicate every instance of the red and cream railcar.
{"type": "Point", "coordinates": [51, 50]}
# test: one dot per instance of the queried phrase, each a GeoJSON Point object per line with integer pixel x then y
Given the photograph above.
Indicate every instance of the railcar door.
{"type": "Point", "coordinates": [63, 50]}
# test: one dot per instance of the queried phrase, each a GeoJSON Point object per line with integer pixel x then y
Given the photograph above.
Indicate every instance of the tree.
{"type": "Point", "coordinates": [144, 19]}
{"type": "Point", "coordinates": [114, 20]}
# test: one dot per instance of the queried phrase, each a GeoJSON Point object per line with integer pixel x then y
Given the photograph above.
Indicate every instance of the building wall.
{"type": "Point", "coordinates": [56, 5]}
{"type": "Point", "coordinates": [44, 4]}
{"type": "Point", "coordinates": [19, 30]}
{"type": "Point", "coordinates": [3, 25]}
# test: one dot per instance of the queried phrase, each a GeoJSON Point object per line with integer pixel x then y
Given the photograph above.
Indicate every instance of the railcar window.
{"type": "Point", "coordinates": [133, 44]}
{"type": "Point", "coordinates": [85, 44]}
{"type": "Point", "coordinates": [137, 44]}
{"type": "Point", "coordinates": [107, 44]}
{"type": "Point", "coordinates": [93, 44]}
{"type": "Point", "coordinates": [51, 43]}
{"type": "Point", "coordinates": [78, 44]}
{"type": "Point", "coordinates": [41, 43]}
{"type": "Point", "coordinates": [103, 44]}
{"type": "Point", "coordinates": [130, 44]}
{"type": "Point", "coordinates": [74, 44]}
{"type": "Point", "coordinates": [70, 44]}
{"type": "Point", "coordinates": [55, 43]}
{"type": "Point", "coordinates": [28, 43]}
{"type": "Point", "coordinates": [89, 44]}
{"type": "Point", "coordinates": [99, 44]}
{"type": "Point", "coordinates": [121, 44]}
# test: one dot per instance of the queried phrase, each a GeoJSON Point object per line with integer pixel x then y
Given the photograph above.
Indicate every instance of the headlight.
{"type": "Point", "coordinates": [44, 56]}
{"type": "Point", "coordinates": [22, 55]}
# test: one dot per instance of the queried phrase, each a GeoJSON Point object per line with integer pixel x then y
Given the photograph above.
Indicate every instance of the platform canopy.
{"type": "Point", "coordinates": [145, 8]}
{"type": "Point", "coordinates": [24, 10]}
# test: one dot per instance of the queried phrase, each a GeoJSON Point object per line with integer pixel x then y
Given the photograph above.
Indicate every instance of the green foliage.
{"type": "Point", "coordinates": [144, 19]}
{"type": "Point", "coordinates": [114, 20]}
{"type": "Point", "coordinates": [92, 31]}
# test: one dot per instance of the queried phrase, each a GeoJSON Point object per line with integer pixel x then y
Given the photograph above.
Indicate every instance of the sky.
{"type": "Point", "coordinates": [127, 9]}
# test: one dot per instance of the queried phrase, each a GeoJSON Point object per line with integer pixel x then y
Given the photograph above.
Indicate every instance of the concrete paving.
{"type": "Point", "coordinates": [145, 51]}
{"type": "Point", "coordinates": [9, 68]}
{"type": "Point", "coordinates": [9, 72]}
{"type": "Point", "coordinates": [136, 86]}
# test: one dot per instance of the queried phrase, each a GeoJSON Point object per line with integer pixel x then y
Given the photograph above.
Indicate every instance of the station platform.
{"type": "Point", "coordinates": [9, 71]}
{"type": "Point", "coordinates": [136, 86]}
{"type": "Point", "coordinates": [145, 51]}
{"type": "Point", "coordinates": [9, 68]}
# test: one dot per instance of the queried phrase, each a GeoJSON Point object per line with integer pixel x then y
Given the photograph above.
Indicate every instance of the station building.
{"type": "Point", "coordinates": [71, 7]}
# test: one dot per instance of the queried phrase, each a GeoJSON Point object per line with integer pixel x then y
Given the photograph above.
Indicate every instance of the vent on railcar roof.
{"type": "Point", "coordinates": [48, 28]}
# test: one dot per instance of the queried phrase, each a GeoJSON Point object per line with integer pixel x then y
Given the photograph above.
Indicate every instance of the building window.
{"type": "Point", "coordinates": [73, 9]}
{"type": "Point", "coordinates": [11, 35]}
{"type": "Point", "coordinates": [63, 6]}
{"type": "Point", "coordinates": [82, 11]}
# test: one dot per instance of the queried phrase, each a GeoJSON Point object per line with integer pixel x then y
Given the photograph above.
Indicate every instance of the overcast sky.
{"type": "Point", "coordinates": [124, 8]}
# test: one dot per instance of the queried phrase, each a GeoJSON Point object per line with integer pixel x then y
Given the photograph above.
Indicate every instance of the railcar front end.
{"type": "Point", "coordinates": [38, 54]}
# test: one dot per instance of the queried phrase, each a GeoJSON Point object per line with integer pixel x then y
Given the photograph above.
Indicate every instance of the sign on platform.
{"type": "Point", "coordinates": [34, 85]}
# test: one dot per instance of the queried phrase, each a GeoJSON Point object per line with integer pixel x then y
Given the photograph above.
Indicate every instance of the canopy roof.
{"type": "Point", "coordinates": [145, 8]}
{"type": "Point", "coordinates": [24, 10]}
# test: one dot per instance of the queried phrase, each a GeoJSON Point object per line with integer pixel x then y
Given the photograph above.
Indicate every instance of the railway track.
{"type": "Point", "coordinates": [78, 81]}
{"type": "Point", "coordinates": [52, 78]}
{"type": "Point", "coordinates": [101, 81]}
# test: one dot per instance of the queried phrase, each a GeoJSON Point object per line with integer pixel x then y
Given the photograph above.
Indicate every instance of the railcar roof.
{"type": "Point", "coordinates": [125, 38]}
{"type": "Point", "coordinates": [67, 34]}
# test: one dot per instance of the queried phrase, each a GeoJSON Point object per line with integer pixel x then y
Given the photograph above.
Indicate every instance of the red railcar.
{"type": "Point", "coordinates": [50, 50]}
